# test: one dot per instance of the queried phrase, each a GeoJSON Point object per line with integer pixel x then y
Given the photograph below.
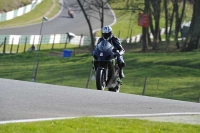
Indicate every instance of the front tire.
{"type": "Point", "coordinates": [100, 79]}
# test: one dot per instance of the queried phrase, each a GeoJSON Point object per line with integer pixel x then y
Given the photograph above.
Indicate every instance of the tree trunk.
{"type": "Point", "coordinates": [145, 34]}
{"type": "Point", "coordinates": [194, 31]}
{"type": "Point", "coordinates": [176, 8]}
{"type": "Point", "coordinates": [156, 13]}
{"type": "Point", "coordinates": [178, 21]}
{"type": "Point", "coordinates": [89, 24]}
{"type": "Point", "coordinates": [171, 22]}
{"type": "Point", "coordinates": [102, 15]}
{"type": "Point", "coordinates": [166, 22]}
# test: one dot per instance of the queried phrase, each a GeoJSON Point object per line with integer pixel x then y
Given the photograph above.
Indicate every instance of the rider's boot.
{"type": "Point", "coordinates": [121, 65]}
{"type": "Point", "coordinates": [121, 73]}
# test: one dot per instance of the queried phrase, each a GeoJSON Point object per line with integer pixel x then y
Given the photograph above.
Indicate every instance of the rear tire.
{"type": "Point", "coordinates": [100, 79]}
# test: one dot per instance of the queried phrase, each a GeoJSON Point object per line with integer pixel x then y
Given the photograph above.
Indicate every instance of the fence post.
{"type": "Point", "coordinates": [80, 40]}
{"type": "Point", "coordinates": [66, 41]}
{"type": "Point", "coordinates": [88, 82]}
{"type": "Point", "coordinates": [74, 52]}
{"type": "Point", "coordinates": [11, 75]}
{"type": "Point", "coordinates": [18, 45]}
{"type": "Point", "coordinates": [36, 71]}
{"type": "Point", "coordinates": [144, 89]}
{"type": "Point", "coordinates": [4, 45]}
{"type": "Point", "coordinates": [187, 89]}
{"type": "Point", "coordinates": [41, 37]}
{"type": "Point", "coordinates": [130, 37]}
{"type": "Point", "coordinates": [119, 34]}
{"type": "Point", "coordinates": [34, 41]}
{"type": "Point", "coordinates": [25, 45]}
{"type": "Point", "coordinates": [135, 40]}
{"type": "Point", "coordinates": [11, 46]}
{"type": "Point", "coordinates": [53, 42]}
{"type": "Point", "coordinates": [62, 78]}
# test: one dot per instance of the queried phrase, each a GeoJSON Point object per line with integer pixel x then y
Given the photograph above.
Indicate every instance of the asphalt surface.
{"type": "Point", "coordinates": [21, 100]}
{"type": "Point", "coordinates": [62, 23]}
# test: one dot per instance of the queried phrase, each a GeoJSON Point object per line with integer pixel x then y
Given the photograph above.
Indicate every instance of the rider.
{"type": "Point", "coordinates": [108, 35]}
{"type": "Point", "coordinates": [70, 12]}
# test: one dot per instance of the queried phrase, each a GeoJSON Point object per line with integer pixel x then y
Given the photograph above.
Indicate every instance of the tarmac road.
{"type": "Point", "coordinates": [62, 23]}
{"type": "Point", "coordinates": [20, 100]}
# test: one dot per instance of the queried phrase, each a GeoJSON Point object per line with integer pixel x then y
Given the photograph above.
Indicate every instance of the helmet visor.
{"type": "Point", "coordinates": [106, 35]}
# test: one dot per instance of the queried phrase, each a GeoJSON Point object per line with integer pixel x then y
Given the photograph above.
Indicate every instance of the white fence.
{"type": "Point", "coordinates": [18, 12]}
{"type": "Point", "coordinates": [44, 39]}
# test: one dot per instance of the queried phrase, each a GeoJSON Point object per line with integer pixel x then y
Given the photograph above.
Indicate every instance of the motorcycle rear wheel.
{"type": "Point", "coordinates": [100, 79]}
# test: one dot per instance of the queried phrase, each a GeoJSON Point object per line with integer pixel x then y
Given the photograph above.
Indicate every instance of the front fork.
{"type": "Point", "coordinates": [106, 74]}
{"type": "Point", "coordinates": [97, 64]}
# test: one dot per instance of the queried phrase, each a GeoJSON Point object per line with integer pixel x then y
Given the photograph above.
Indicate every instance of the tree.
{"type": "Point", "coordinates": [155, 11]}
{"type": "Point", "coordinates": [98, 6]}
{"type": "Point", "coordinates": [88, 21]}
{"type": "Point", "coordinates": [192, 41]}
{"type": "Point", "coordinates": [178, 19]}
{"type": "Point", "coordinates": [90, 9]}
{"type": "Point", "coordinates": [145, 33]}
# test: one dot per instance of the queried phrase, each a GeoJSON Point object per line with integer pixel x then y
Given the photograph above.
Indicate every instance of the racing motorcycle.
{"type": "Point", "coordinates": [71, 13]}
{"type": "Point", "coordinates": [106, 67]}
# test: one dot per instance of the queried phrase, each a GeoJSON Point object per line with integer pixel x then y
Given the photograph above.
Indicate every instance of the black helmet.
{"type": "Point", "coordinates": [107, 32]}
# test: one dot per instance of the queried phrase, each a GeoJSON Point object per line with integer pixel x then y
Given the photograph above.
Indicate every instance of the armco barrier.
{"type": "Point", "coordinates": [44, 39]}
{"type": "Point", "coordinates": [18, 12]}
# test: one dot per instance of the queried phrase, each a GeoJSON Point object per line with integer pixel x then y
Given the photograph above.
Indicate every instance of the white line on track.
{"type": "Point", "coordinates": [100, 116]}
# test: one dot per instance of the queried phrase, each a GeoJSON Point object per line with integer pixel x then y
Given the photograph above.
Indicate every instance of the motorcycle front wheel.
{"type": "Point", "coordinates": [100, 79]}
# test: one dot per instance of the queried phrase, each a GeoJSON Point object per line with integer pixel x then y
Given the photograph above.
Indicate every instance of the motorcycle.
{"type": "Point", "coordinates": [71, 13]}
{"type": "Point", "coordinates": [106, 67]}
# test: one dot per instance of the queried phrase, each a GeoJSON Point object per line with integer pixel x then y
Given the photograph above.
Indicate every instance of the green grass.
{"type": "Point", "coordinates": [21, 48]}
{"type": "Point", "coordinates": [34, 16]}
{"type": "Point", "coordinates": [8, 5]}
{"type": "Point", "coordinates": [99, 125]}
{"type": "Point", "coordinates": [169, 75]}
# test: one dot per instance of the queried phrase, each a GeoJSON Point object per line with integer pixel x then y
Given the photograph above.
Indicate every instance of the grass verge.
{"type": "Point", "coordinates": [99, 125]}
{"type": "Point", "coordinates": [169, 75]}
{"type": "Point", "coordinates": [9, 5]}
{"type": "Point", "coordinates": [35, 15]}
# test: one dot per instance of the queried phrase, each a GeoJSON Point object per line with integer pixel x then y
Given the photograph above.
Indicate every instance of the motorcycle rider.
{"type": "Point", "coordinates": [108, 35]}
{"type": "Point", "coordinates": [70, 12]}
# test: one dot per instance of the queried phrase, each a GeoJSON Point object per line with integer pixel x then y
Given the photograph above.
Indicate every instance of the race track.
{"type": "Point", "coordinates": [20, 100]}
{"type": "Point", "coordinates": [62, 23]}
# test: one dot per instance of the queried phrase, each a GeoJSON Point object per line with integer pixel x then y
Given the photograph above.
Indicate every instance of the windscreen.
{"type": "Point", "coordinates": [104, 45]}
